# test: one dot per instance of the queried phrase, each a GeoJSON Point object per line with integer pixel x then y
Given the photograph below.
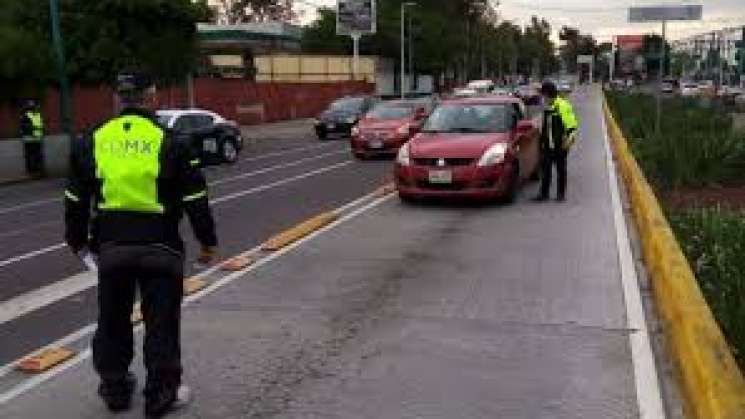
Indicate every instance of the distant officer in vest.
{"type": "Point", "coordinates": [32, 133]}
{"type": "Point", "coordinates": [557, 138]}
{"type": "Point", "coordinates": [139, 182]}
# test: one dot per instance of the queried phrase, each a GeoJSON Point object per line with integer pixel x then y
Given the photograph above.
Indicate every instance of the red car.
{"type": "Point", "coordinates": [384, 129]}
{"type": "Point", "coordinates": [470, 148]}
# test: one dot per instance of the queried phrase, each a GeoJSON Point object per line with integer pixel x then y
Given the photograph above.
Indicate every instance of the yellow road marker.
{"type": "Point", "coordinates": [299, 231]}
{"type": "Point", "coordinates": [193, 285]}
{"type": "Point", "coordinates": [238, 263]}
{"type": "Point", "coordinates": [45, 360]}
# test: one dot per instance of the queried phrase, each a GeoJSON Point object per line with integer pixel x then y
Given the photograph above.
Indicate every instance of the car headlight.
{"type": "Point", "coordinates": [493, 155]}
{"type": "Point", "coordinates": [403, 156]}
{"type": "Point", "coordinates": [355, 131]}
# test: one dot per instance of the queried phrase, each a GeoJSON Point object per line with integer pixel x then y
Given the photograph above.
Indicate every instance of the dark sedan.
{"type": "Point", "coordinates": [343, 114]}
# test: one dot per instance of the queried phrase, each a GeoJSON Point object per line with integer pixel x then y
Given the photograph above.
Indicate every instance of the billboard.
{"type": "Point", "coordinates": [659, 13]}
{"type": "Point", "coordinates": [355, 17]}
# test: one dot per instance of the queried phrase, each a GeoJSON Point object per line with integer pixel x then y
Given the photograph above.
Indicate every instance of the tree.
{"type": "Point", "coordinates": [652, 51]}
{"type": "Point", "coordinates": [575, 44]}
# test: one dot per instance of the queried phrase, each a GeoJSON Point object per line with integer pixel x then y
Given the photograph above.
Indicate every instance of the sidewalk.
{"type": "Point", "coordinates": [290, 129]}
{"type": "Point", "coordinates": [414, 312]}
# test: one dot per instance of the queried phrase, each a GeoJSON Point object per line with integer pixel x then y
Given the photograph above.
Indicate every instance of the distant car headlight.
{"type": "Point", "coordinates": [355, 131]}
{"type": "Point", "coordinates": [403, 156]}
{"type": "Point", "coordinates": [493, 155]}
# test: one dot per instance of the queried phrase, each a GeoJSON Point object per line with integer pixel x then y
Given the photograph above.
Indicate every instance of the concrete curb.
{"type": "Point", "coordinates": [711, 382]}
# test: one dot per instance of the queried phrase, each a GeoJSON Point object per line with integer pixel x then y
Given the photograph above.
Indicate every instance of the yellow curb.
{"type": "Point", "coordinates": [238, 263]}
{"type": "Point", "coordinates": [299, 231]}
{"type": "Point", "coordinates": [45, 360]}
{"type": "Point", "coordinates": [192, 285]}
{"type": "Point", "coordinates": [386, 189]}
{"type": "Point", "coordinates": [712, 384]}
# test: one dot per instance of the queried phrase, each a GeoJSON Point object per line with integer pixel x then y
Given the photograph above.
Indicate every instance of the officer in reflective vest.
{"type": "Point", "coordinates": [32, 132]}
{"type": "Point", "coordinates": [139, 181]}
{"type": "Point", "coordinates": [557, 138]}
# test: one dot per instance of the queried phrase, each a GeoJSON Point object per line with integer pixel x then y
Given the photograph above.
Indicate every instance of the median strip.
{"type": "Point", "coordinates": [711, 382]}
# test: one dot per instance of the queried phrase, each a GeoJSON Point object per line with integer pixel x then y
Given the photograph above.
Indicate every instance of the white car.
{"type": "Point", "coordinates": [465, 92]}
{"type": "Point", "coordinates": [481, 86]}
{"type": "Point", "coordinates": [688, 89]}
{"type": "Point", "coordinates": [215, 139]}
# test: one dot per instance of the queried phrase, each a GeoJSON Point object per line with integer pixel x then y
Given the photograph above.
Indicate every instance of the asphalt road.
{"type": "Point", "coordinates": [277, 183]}
{"type": "Point", "coordinates": [421, 311]}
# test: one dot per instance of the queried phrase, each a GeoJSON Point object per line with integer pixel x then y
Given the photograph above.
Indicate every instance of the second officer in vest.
{"type": "Point", "coordinates": [557, 137]}
{"type": "Point", "coordinates": [32, 133]}
{"type": "Point", "coordinates": [139, 182]}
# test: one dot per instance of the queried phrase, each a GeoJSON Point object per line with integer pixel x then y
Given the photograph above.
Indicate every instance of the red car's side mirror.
{"type": "Point", "coordinates": [524, 127]}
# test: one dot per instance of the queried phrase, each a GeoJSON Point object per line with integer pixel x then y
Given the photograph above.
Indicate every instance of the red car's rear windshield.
{"type": "Point", "coordinates": [384, 111]}
{"type": "Point", "coordinates": [469, 118]}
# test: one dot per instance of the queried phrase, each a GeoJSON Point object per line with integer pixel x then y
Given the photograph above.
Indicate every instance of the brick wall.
{"type": "Point", "coordinates": [240, 100]}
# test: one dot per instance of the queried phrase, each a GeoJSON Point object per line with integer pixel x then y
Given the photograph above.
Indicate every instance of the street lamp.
{"type": "Point", "coordinates": [404, 5]}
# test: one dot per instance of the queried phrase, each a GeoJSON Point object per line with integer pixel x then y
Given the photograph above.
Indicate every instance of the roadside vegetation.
{"type": "Point", "coordinates": [696, 166]}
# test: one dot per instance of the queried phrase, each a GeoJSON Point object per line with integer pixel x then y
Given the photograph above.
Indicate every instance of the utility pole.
{"type": "Point", "coordinates": [404, 5]}
{"type": "Point", "coordinates": [411, 56]}
{"type": "Point", "coordinates": [64, 84]}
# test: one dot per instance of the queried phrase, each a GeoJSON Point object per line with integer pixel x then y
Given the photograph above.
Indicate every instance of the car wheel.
{"type": "Point", "coordinates": [229, 151]}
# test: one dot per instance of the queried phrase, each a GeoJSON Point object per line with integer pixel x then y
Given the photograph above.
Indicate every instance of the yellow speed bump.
{"type": "Point", "coordinates": [386, 189]}
{"type": "Point", "coordinates": [193, 285]}
{"type": "Point", "coordinates": [238, 263]}
{"type": "Point", "coordinates": [299, 231]}
{"type": "Point", "coordinates": [712, 384]}
{"type": "Point", "coordinates": [45, 360]}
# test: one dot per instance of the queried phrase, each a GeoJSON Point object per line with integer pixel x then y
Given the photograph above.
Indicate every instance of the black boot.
{"type": "Point", "coordinates": [159, 401]}
{"type": "Point", "coordinates": [117, 394]}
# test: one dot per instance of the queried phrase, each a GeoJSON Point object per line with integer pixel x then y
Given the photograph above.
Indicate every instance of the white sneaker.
{"type": "Point", "coordinates": [183, 396]}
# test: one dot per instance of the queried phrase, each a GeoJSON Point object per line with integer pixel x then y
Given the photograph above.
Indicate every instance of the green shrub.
{"type": "Point", "coordinates": [714, 242]}
{"type": "Point", "coordinates": [696, 146]}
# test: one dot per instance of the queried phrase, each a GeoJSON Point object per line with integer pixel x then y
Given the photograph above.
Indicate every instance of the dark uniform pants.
{"type": "Point", "coordinates": [34, 156]}
{"type": "Point", "coordinates": [158, 272]}
{"type": "Point", "coordinates": [549, 159]}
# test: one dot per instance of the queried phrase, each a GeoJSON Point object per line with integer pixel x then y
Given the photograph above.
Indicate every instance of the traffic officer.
{"type": "Point", "coordinates": [32, 132]}
{"type": "Point", "coordinates": [559, 134]}
{"type": "Point", "coordinates": [139, 181]}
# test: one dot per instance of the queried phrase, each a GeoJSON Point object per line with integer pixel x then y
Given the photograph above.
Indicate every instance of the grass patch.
{"type": "Point", "coordinates": [714, 243]}
{"type": "Point", "coordinates": [695, 148]}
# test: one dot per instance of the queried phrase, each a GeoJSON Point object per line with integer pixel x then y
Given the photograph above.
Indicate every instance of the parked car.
{"type": "Point", "coordinates": [213, 138]}
{"type": "Point", "coordinates": [480, 148]}
{"type": "Point", "coordinates": [465, 92]}
{"type": "Point", "coordinates": [389, 125]}
{"type": "Point", "coordinates": [667, 87]}
{"type": "Point", "coordinates": [688, 89]}
{"type": "Point", "coordinates": [529, 94]}
{"type": "Point", "coordinates": [481, 86]}
{"type": "Point", "coordinates": [564, 86]}
{"type": "Point", "coordinates": [341, 115]}
{"type": "Point", "coordinates": [501, 91]}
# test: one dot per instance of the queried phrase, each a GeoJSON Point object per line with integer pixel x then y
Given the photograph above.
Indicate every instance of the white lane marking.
{"type": "Point", "coordinates": [648, 393]}
{"type": "Point", "coordinates": [37, 380]}
{"type": "Point", "coordinates": [274, 168]}
{"type": "Point", "coordinates": [59, 290]}
{"type": "Point", "coordinates": [257, 189]}
{"type": "Point", "coordinates": [30, 255]}
{"type": "Point", "coordinates": [19, 207]}
{"type": "Point", "coordinates": [40, 202]}
{"type": "Point", "coordinates": [36, 226]}
{"type": "Point", "coordinates": [215, 201]}
{"type": "Point", "coordinates": [5, 369]}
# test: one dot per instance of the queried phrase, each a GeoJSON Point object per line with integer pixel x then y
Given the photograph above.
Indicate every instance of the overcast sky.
{"type": "Point", "coordinates": [605, 18]}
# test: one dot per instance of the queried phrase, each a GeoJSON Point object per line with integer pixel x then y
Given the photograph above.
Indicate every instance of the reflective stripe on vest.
{"type": "Point", "coordinates": [127, 153]}
{"type": "Point", "coordinates": [37, 124]}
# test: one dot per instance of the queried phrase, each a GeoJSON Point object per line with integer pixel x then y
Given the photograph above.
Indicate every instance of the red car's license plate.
{"type": "Point", "coordinates": [440, 176]}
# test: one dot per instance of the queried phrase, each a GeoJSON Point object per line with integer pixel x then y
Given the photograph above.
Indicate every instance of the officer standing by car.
{"type": "Point", "coordinates": [557, 137]}
{"type": "Point", "coordinates": [139, 180]}
{"type": "Point", "coordinates": [32, 133]}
